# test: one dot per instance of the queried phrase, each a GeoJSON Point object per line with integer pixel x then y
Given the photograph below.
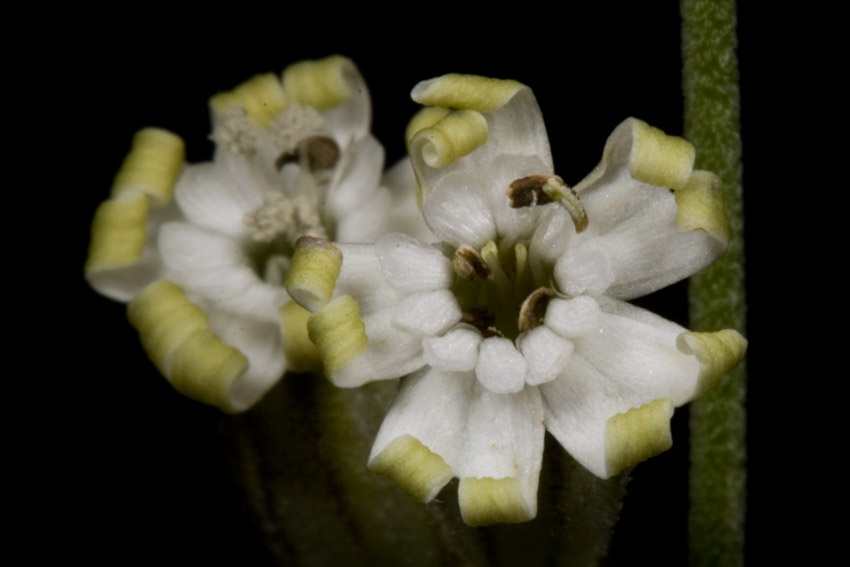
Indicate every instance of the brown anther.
{"type": "Point", "coordinates": [468, 264]}
{"type": "Point", "coordinates": [544, 189]}
{"type": "Point", "coordinates": [528, 191]}
{"type": "Point", "coordinates": [322, 152]}
{"type": "Point", "coordinates": [482, 319]}
{"type": "Point", "coordinates": [533, 309]}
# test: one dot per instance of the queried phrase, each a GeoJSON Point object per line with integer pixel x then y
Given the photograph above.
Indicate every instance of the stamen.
{"type": "Point", "coordinates": [279, 215]}
{"type": "Point", "coordinates": [235, 133]}
{"type": "Point", "coordinates": [468, 264]}
{"type": "Point", "coordinates": [544, 189]}
{"type": "Point", "coordinates": [533, 310]}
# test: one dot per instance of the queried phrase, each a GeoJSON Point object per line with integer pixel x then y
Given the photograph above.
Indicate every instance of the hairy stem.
{"type": "Point", "coordinates": [718, 421]}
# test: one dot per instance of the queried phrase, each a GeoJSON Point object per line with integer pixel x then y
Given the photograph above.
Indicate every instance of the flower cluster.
{"type": "Point", "coordinates": [292, 249]}
{"type": "Point", "coordinates": [516, 322]}
{"type": "Point", "coordinates": [201, 251]}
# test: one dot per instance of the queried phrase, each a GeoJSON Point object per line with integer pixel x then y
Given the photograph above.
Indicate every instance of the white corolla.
{"type": "Point", "coordinates": [516, 321]}
{"type": "Point", "coordinates": [201, 251]}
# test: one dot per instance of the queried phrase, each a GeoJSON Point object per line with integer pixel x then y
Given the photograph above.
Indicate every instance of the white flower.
{"type": "Point", "coordinates": [516, 322]}
{"type": "Point", "coordinates": [203, 271]}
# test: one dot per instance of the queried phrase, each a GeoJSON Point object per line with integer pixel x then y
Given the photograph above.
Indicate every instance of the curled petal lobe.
{"type": "Point", "coordinates": [717, 353]}
{"type": "Point", "coordinates": [316, 264]}
{"type": "Point", "coordinates": [175, 333]}
{"type": "Point", "coordinates": [637, 435]}
{"type": "Point", "coordinates": [700, 206]}
{"type": "Point", "coordinates": [418, 471]}
{"type": "Point", "coordinates": [338, 333]}
{"type": "Point", "coordinates": [300, 352]}
{"type": "Point", "coordinates": [261, 97]}
{"type": "Point", "coordinates": [151, 167]}
{"type": "Point", "coordinates": [122, 257]}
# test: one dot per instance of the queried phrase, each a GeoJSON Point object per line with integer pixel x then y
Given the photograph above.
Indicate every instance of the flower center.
{"type": "Point", "coordinates": [496, 291]}
{"type": "Point", "coordinates": [293, 163]}
{"type": "Point", "coordinates": [495, 287]}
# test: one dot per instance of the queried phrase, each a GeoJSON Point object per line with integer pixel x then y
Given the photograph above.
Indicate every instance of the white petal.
{"type": "Point", "coordinates": [649, 251]}
{"type": "Point", "coordinates": [427, 314]}
{"type": "Point", "coordinates": [351, 119]}
{"type": "Point", "coordinates": [504, 440]}
{"type": "Point", "coordinates": [360, 277]}
{"type": "Point", "coordinates": [547, 355]}
{"type": "Point", "coordinates": [260, 342]}
{"type": "Point", "coordinates": [504, 434]}
{"type": "Point", "coordinates": [631, 361]}
{"type": "Point", "coordinates": [366, 221]}
{"type": "Point", "coordinates": [500, 368]}
{"type": "Point", "coordinates": [636, 223]}
{"type": "Point", "coordinates": [458, 211]}
{"type": "Point", "coordinates": [573, 317]}
{"type": "Point", "coordinates": [410, 265]}
{"type": "Point", "coordinates": [455, 351]}
{"type": "Point", "coordinates": [554, 231]}
{"type": "Point", "coordinates": [217, 198]}
{"type": "Point", "coordinates": [585, 268]}
{"type": "Point", "coordinates": [356, 177]}
{"type": "Point", "coordinates": [638, 350]}
{"type": "Point", "coordinates": [576, 411]}
{"type": "Point", "coordinates": [405, 215]}
{"type": "Point", "coordinates": [214, 267]}
{"type": "Point", "coordinates": [432, 406]}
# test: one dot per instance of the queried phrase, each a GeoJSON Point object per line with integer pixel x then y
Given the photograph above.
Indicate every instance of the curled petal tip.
{"type": "Point", "coordinates": [487, 501]}
{"type": "Point", "coordinates": [416, 469]}
{"type": "Point", "coordinates": [637, 435]}
{"type": "Point", "coordinates": [718, 352]}
{"type": "Point", "coordinates": [315, 267]}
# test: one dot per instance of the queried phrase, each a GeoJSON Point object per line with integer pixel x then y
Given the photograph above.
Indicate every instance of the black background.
{"type": "Point", "coordinates": [140, 471]}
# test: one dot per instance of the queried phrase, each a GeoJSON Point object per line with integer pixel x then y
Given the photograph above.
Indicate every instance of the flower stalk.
{"type": "Point", "coordinates": [718, 420]}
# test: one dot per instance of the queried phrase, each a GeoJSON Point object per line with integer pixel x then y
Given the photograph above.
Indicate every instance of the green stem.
{"type": "Point", "coordinates": [718, 448]}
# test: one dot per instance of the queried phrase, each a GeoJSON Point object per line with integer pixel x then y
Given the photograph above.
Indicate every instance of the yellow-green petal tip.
{"type": "Point", "coordinates": [416, 469]}
{"type": "Point", "coordinates": [487, 501]}
{"type": "Point", "coordinates": [637, 435]}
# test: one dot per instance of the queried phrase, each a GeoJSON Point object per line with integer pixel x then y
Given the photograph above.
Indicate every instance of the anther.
{"type": "Point", "coordinates": [544, 189]}
{"type": "Point", "coordinates": [321, 154]}
{"type": "Point", "coordinates": [528, 191]}
{"type": "Point", "coordinates": [468, 264]}
{"type": "Point", "coordinates": [533, 309]}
